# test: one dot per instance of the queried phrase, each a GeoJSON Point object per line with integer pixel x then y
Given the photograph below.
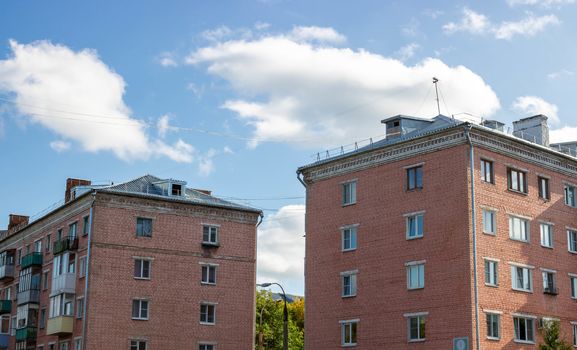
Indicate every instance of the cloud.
{"type": "Point", "coordinates": [476, 23]}
{"type": "Point", "coordinates": [434, 14]}
{"type": "Point", "coordinates": [542, 3]}
{"type": "Point", "coordinates": [163, 126]}
{"type": "Point", "coordinates": [261, 25]}
{"type": "Point", "coordinates": [407, 51]}
{"type": "Point", "coordinates": [533, 105]}
{"type": "Point", "coordinates": [206, 164]}
{"type": "Point", "coordinates": [217, 33]}
{"type": "Point", "coordinates": [60, 146]}
{"type": "Point", "coordinates": [79, 98]}
{"type": "Point", "coordinates": [167, 59]}
{"type": "Point", "coordinates": [317, 95]}
{"type": "Point", "coordinates": [560, 74]}
{"type": "Point", "coordinates": [281, 248]}
{"type": "Point", "coordinates": [411, 29]}
{"type": "Point", "coordinates": [564, 134]}
{"type": "Point", "coordinates": [328, 35]}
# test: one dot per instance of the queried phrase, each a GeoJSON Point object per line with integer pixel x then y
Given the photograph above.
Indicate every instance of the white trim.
{"type": "Point", "coordinates": [550, 318]}
{"type": "Point", "coordinates": [202, 263]}
{"type": "Point", "coordinates": [569, 228]}
{"type": "Point", "coordinates": [413, 263]}
{"type": "Point", "coordinates": [547, 270]}
{"type": "Point", "coordinates": [348, 181]}
{"type": "Point", "coordinates": [350, 321]}
{"type": "Point", "coordinates": [488, 311]}
{"type": "Point", "coordinates": [521, 265]}
{"type": "Point", "coordinates": [573, 323]}
{"type": "Point", "coordinates": [202, 302]}
{"type": "Point", "coordinates": [516, 314]}
{"type": "Point", "coordinates": [543, 176]}
{"type": "Point", "coordinates": [415, 314]}
{"type": "Point", "coordinates": [491, 259]}
{"type": "Point", "coordinates": [546, 222]}
{"type": "Point", "coordinates": [414, 213]}
{"type": "Point", "coordinates": [574, 275]}
{"type": "Point", "coordinates": [515, 167]}
{"type": "Point", "coordinates": [349, 226]}
{"type": "Point", "coordinates": [414, 165]}
{"type": "Point", "coordinates": [207, 224]}
{"type": "Point", "coordinates": [348, 273]}
{"type": "Point", "coordinates": [488, 208]}
{"type": "Point", "coordinates": [567, 183]}
{"type": "Point", "coordinates": [519, 216]}
{"type": "Point", "coordinates": [134, 257]}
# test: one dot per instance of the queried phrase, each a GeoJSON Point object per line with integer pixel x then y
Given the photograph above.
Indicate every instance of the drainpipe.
{"type": "Point", "coordinates": [86, 285]}
{"type": "Point", "coordinates": [300, 179]}
{"type": "Point", "coordinates": [299, 174]}
{"type": "Point", "coordinates": [474, 227]}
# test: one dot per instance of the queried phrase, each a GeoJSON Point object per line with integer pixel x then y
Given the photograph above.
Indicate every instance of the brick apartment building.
{"type": "Point", "coordinates": [397, 231]}
{"type": "Point", "coordinates": [143, 265]}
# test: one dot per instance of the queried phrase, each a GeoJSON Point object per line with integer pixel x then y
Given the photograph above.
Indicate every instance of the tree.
{"type": "Point", "coordinates": [551, 337]}
{"type": "Point", "coordinates": [269, 321]}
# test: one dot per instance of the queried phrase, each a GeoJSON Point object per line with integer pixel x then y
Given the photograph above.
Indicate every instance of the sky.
{"type": "Point", "coordinates": [234, 96]}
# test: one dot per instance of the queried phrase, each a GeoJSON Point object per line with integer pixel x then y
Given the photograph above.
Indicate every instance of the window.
{"type": "Point", "coordinates": [486, 171]}
{"type": "Point", "coordinates": [82, 266]}
{"type": "Point", "coordinates": [45, 275]}
{"type": "Point", "coordinates": [48, 241]}
{"type": "Point", "coordinates": [415, 178]}
{"type": "Point", "coordinates": [517, 180]}
{"type": "Point", "coordinates": [210, 234]}
{"type": "Point", "coordinates": [574, 325]}
{"type": "Point", "coordinates": [572, 240]}
{"type": "Point", "coordinates": [85, 225]}
{"type": "Point", "coordinates": [493, 321]}
{"type": "Point", "coordinates": [59, 234]}
{"type": "Point", "coordinates": [573, 279]}
{"type": "Point", "coordinates": [549, 284]}
{"type": "Point", "coordinates": [61, 305]}
{"type": "Point", "coordinates": [78, 344]}
{"type": "Point", "coordinates": [519, 229]}
{"type": "Point", "coordinates": [5, 324]}
{"type": "Point", "coordinates": [207, 313]}
{"type": "Point", "coordinates": [38, 246]}
{"type": "Point", "coordinates": [13, 327]}
{"type": "Point", "coordinates": [416, 328]}
{"type": "Point", "coordinates": [489, 222]}
{"type": "Point", "coordinates": [349, 333]}
{"type": "Point", "coordinates": [51, 346]}
{"type": "Point", "coordinates": [415, 275]}
{"type": "Point", "coordinates": [524, 329]}
{"type": "Point", "coordinates": [349, 192]}
{"type": "Point", "coordinates": [19, 255]}
{"type": "Point", "coordinates": [414, 226]}
{"type": "Point", "coordinates": [72, 230]}
{"type": "Point", "coordinates": [64, 346]}
{"type": "Point", "coordinates": [80, 307]}
{"type": "Point", "coordinates": [521, 278]}
{"type": "Point", "coordinates": [491, 272]}
{"type": "Point", "coordinates": [570, 196]}
{"type": "Point", "coordinates": [142, 268]}
{"type": "Point", "coordinates": [546, 235]}
{"type": "Point", "coordinates": [349, 280]}
{"type": "Point", "coordinates": [139, 309]}
{"type": "Point", "coordinates": [42, 322]}
{"type": "Point", "coordinates": [143, 227]}
{"type": "Point", "coordinates": [205, 347]}
{"type": "Point", "coordinates": [349, 238]}
{"type": "Point", "coordinates": [208, 273]}
{"type": "Point", "coordinates": [137, 345]}
{"type": "Point", "coordinates": [544, 192]}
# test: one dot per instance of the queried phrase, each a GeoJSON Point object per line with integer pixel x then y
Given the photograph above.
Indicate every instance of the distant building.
{"type": "Point", "coordinates": [142, 265]}
{"type": "Point", "coordinates": [397, 231]}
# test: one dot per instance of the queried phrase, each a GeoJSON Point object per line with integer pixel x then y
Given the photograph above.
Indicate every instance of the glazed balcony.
{"type": "Point", "coordinates": [65, 283]}
{"type": "Point", "coordinates": [29, 296]}
{"type": "Point", "coordinates": [60, 325]}
{"type": "Point", "coordinates": [65, 244]}
{"type": "Point", "coordinates": [32, 259]}
{"type": "Point", "coordinates": [26, 333]}
{"type": "Point", "coordinates": [4, 341]}
{"type": "Point", "coordinates": [7, 272]}
{"type": "Point", "coordinates": [5, 307]}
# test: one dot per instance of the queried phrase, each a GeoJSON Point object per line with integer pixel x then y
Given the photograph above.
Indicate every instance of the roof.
{"type": "Point", "coordinates": [149, 186]}
{"type": "Point", "coordinates": [402, 116]}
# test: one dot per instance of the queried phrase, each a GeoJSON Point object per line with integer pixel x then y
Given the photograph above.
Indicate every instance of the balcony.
{"type": "Point", "coordinates": [4, 341]}
{"type": "Point", "coordinates": [551, 290]}
{"type": "Point", "coordinates": [7, 272]}
{"type": "Point", "coordinates": [26, 333]}
{"type": "Point", "coordinates": [65, 283]}
{"type": "Point", "coordinates": [5, 306]}
{"type": "Point", "coordinates": [29, 296]}
{"type": "Point", "coordinates": [31, 259]}
{"type": "Point", "coordinates": [60, 325]}
{"type": "Point", "coordinates": [70, 243]}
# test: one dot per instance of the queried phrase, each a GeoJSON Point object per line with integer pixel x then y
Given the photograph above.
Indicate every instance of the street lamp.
{"type": "Point", "coordinates": [285, 313]}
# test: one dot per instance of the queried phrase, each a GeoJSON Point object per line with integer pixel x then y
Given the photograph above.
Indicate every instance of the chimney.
{"type": "Point", "coordinates": [15, 220]}
{"type": "Point", "coordinates": [534, 129]}
{"type": "Point", "coordinates": [70, 184]}
{"type": "Point", "coordinates": [401, 125]}
{"type": "Point", "coordinates": [207, 192]}
{"type": "Point", "coordinates": [493, 124]}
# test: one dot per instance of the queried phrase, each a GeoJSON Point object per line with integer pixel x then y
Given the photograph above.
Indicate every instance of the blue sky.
{"type": "Point", "coordinates": [233, 96]}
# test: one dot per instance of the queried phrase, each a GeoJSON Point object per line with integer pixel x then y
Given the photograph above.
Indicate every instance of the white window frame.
{"type": "Point", "coordinates": [546, 229]}
{"type": "Point", "coordinates": [517, 180]}
{"type": "Point", "coordinates": [347, 327]}
{"type": "Point", "coordinates": [572, 240]}
{"type": "Point", "coordinates": [137, 345]}
{"type": "Point", "coordinates": [141, 260]}
{"type": "Point", "coordinates": [514, 277]}
{"type": "Point", "coordinates": [544, 276]}
{"type": "Point", "coordinates": [493, 221]}
{"type": "Point", "coordinates": [574, 327]}
{"type": "Point", "coordinates": [80, 307]}
{"type": "Point", "coordinates": [526, 318]}
{"type": "Point", "coordinates": [526, 226]}
{"type": "Point", "coordinates": [144, 233]}
{"type": "Point", "coordinates": [349, 192]}
{"type": "Point", "coordinates": [487, 169]}
{"type": "Point", "coordinates": [494, 274]}
{"type": "Point", "coordinates": [492, 314]}
{"type": "Point", "coordinates": [573, 285]}
{"type": "Point", "coordinates": [543, 183]}
{"type": "Point", "coordinates": [213, 234]}
{"type": "Point", "coordinates": [351, 286]}
{"type": "Point", "coordinates": [82, 266]}
{"type": "Point", "coordinates": [140, 308]}
{"type": "Point", "coordinates": [206, 345]}
{"type": "Point", "coordinates": [570, 194]}
{"type": "Point", "coordinates": [208, 305]}
{"type": "Point", "coordinates": [417, 267]}
{"type": "Point", "coordinates": [352, 233]}
{"type": "Point", "coordinates": [78, 343]}
{"type": "Point", "coordinates": [418, 316]}
{"type": "Point", "coordinates": [419, 222]}
{"type": "Point", "coordinates": [208, 266]}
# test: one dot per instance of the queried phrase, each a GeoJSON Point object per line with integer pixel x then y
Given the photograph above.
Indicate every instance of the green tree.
{"type": "Point", "coordinates": [269, 321]}
{"type": "Point", "coordinates": [552, 337]}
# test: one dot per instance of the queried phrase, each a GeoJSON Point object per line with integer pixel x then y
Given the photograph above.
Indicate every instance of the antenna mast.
{"type": "Point", "coordinates": [435, 81]}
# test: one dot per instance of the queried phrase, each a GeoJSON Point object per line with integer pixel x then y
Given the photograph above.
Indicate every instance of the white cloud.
{"type": "Point", "coordinates": [560, 74]}
{"type": "Point", "coordinates": [320, 34]}
{"type": "Point", "coordinates": [217, 33]}
{"type": "Point", "coordinates": [281, 248]}
{"type": "Point", "coordinates": [533, 105]}
{"type": "Point", "coordinates": [206, 163]}
{"type": "Point", "coordinates": [411, 29]}
{"type": "Point", "coordinates": [60, 146]}
{"type": "Point", "coordinates": [167, 59]}
{"type": "Point", "coordinates": [163, 126]}
{"type": "Point", "coordinates": [261, 25]}
{"type": "Point", "coordinates": [407, 51]}
{"type": "Point", "coordinates": [79, 98]}
{"type": "Point", "coordinates": [564, 134]}
{"type": "Point", "coordinates": [434, 14]}
{"type": "Point", "coordinates": [476, 23]}
{"type": "Point", "coordinates": [313, 95]}
{"type": "Point", "coordinates": [543, 3]}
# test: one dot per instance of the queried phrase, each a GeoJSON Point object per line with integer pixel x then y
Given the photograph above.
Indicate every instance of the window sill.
{"type": "Point", "coordinates": [137, 236]}
{"type": "Point", "coordinates": [545, 199]}
{"type": "Point", "coordinates": [348, 296]}
{"type": "Point", "coordinates": [207, 284]}
{"type": "Point", "coordinates": [546, 246]}
{"type": "Point", "coordinates": [409, 238]}
{"type": "Point", "coordinates": [348, 204]}
{"type": "Point", "coordinates": [522, 290]}
{"type": "Point", "coordinates": [416, 340]}
{"type": "Point", "coordinates": [140, 319]}
{"type": "Point", "coordinates": [142, 278]}
{"type": "Point", "coordinates": [349, 345]}
{"type": "Point", "coordinates": [493, 339]}
{"type": "Point", "coordinates": [349, 250]}
{"type": "Point", "coordinates": [518, 192]}
{"type": "Point", "coordinates": [207, 323]}
{"type": "Point", "coordinates": [210, 245]}
{"type": "Point", "coordinates": [416, 189]}
{"type": "Point", "coordinates": [416, 288]}
{"type": "Point", "coordinates": [487, 182]}
{"type": "Point", "coordinates": [572, 252]}
{"type": "Point", "coordinates": [519, 240]}
{"type": "Point", "coordinates": [523, 341]}
{"type": "Point", "coordinates": [492, 285]}
{"type": "Point", "coordinates": [494, 234]}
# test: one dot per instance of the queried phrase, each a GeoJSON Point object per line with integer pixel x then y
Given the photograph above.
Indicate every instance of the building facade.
{"type": "Point", "coordinates": [143, 265]}
{"type": "Point", "coordinates": [444, 235]}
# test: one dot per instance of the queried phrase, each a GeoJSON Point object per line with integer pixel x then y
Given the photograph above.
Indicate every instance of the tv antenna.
{"type": "Point", "coordinates": [435, 81]}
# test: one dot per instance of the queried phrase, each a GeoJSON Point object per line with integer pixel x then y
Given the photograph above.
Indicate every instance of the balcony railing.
{"type": "Point", "coordinates": [26, 333]}
{"type": "Point", "coordinates": [65, 283]}
{"type": "Point", "coordinates": [69, 243]}
{"type": "Point", "coordinates": [60, 325]}
{"type": "Point", "coordinates": [5, 306]}
{"type": "Point", "coordinates": [7, 272]}
{"type": "Point", "coordinates": [31, 260]}
{"type": "Point", "coordinates": [551, 290]}
{"type": "Point", "coordinates": [29, 296]}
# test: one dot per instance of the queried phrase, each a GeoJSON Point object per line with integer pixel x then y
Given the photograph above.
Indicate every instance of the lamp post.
{"type": "Point", "coordinates": [285, 313]}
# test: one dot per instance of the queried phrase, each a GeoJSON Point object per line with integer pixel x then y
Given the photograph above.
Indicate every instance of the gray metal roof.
{"type": "Point", "coordinates": [149, 186]}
